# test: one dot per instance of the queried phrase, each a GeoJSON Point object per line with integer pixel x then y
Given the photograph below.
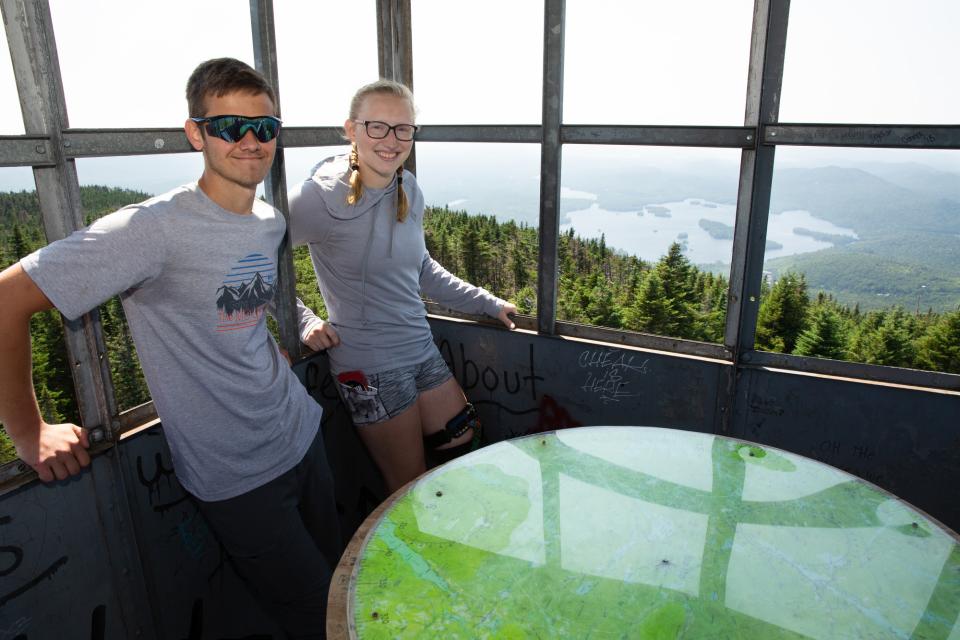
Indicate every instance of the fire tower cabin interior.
{"type": "Point", "coordinates": [780, 268]}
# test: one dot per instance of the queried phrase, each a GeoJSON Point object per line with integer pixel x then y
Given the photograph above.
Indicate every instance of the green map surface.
{"type": "Point", "coordinates": [629, 532]}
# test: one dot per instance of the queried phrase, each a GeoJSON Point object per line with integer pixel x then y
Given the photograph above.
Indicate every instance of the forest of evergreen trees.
{"type": "Point", "coordinates": [671, 297]}
{"type": "Point", "coordinates": [598, 286]}
{"type": "Point", "coordinates": [20, 234]}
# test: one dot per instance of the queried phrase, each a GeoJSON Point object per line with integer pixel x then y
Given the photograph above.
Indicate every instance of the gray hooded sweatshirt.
{"type": "Point", "coordinates": [372, 270]}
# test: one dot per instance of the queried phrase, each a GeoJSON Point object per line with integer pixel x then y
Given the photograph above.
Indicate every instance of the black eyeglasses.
{"type": "Point", "coordinates": [233, 128]}
{"type": "Point", "coordinates": [380, 130]}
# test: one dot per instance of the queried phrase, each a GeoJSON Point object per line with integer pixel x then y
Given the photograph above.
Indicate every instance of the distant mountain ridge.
{"type": "Point", "coordinates": [906, 217]}
{"type": "Point", "coordinates": [860, 200]}
{"type": "Point", "coordinates": [908, 247]}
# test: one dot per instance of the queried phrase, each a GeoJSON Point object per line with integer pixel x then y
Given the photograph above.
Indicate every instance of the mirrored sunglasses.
{"type": "Point", "coordinates": [233, 128]}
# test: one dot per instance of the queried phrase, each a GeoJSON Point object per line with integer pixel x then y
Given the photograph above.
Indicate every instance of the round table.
{"type": "Point", "coordinates": [639, 532]}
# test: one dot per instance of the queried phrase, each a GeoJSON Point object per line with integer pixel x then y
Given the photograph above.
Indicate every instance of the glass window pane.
{"type": "Point", "coordinates": [11, 117]}
{"type": "Point", "coordinates": [483, 214]}
{"type": "Point", "coordinates": [320, 62]}
{"type": "Point", "coordinates": [299, 165]}
{"type": "Point", "coordinates": [128, 66]}
{"type": "Point", "coordinates": [862, 257]}
{"type": "Point", "coordinates": [152, 175]}
{"type": "Point", "coordinates": [478, 62]}
{"type": "Point", "coordinates": [16, 179]}
{"type": "Point", "coordinates": [679, 63]}
{"type": "Point", "coordinates": [871, 61]}
{"type": "Point", "coordinates": [21, 233]}
{"type": "Point", "coordinates": [647, 237]}
{"type": "Point", "coordinates": [107, 184]}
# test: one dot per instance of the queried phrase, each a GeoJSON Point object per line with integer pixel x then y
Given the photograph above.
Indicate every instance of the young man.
{"type": "Point", "coordinates": [196, 269]}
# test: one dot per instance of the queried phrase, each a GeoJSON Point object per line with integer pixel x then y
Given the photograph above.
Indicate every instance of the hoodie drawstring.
{"type": "Point", "coordinates": [363, 270]}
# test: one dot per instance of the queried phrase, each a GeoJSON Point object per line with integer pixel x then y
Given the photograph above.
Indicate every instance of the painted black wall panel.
{"type": "Point", "coordinates": [523, 383]}
{"type": "Point", "coordinates": [55, 569]}
{"type": "Point", "coordinates": [55, 576]}
{"type": "Point", "coordinates": [191, 583]}
{"type": "Point", "coordinates": [906, 441]}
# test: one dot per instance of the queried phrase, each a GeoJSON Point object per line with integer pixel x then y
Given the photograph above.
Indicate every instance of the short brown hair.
{"type": "Point", "coordinates": [221, 76]}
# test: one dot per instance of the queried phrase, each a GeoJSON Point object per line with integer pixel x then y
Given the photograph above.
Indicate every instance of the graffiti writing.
{"type": "Point", "coordinates": [767, 406]}
{"type": "Point", "coordinates": [826, 448]}
{"type": "Point", "coordinates": [30, 584]}
{"type": "Point", "coordinates": [470, 375]}
{"type": "Point", "coordinates": [98, 623]}
{"type": "Point", "coordinates": [16, 557]}
{"type": "Point", "coordinates": [15, 629]}
{"type": "Point", "coordinates": [863, 451]}
{"type": "Point", "coordinates": [918, 137]}
{"type": "Point", "coordinates": [161, 474]}
{"type": "Point", "coordinates": [606, 371]}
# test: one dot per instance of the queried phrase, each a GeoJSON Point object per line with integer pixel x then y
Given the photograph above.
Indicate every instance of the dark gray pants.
{"type": "Point", "coordinates": [284, 540]}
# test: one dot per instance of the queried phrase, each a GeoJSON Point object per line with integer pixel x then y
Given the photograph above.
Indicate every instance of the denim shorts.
{"type": "Point", "coordinates": [387, 394]}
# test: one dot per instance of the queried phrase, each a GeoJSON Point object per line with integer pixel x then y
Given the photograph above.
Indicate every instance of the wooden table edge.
{"type": "Point", "coordinates": [340, 623]}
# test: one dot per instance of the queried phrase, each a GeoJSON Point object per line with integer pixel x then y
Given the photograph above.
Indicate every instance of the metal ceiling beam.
{"type": "Point", "coordinates": [480, 133]}
{"type": "Point", "coordinates": [25, 151]}
{"type": "Point", "coordinates": [734, 137]}
{"type": "Point", "coordinates": [35, 150]}
{"type": "Point", "coordinates": [864, 135]}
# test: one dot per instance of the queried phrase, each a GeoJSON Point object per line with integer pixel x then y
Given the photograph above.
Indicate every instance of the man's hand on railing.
{"type": "Point", "coordinates": [56, 451]}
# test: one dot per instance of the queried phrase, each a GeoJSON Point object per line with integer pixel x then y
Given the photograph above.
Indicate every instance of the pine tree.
{"type": "Point", "coordinates": [518, 265]}
{"type": "Point", "coordinates": [677, 276]}
{"type": "Point", "coordinates": [825, 336]}
{"type": "Point", "coordinates": [652, 312]}
{"type": "Point", "coordinates": [712, 318]}
{"type": "Point", "coordinates": [48, 401]}
{"type": "Point", "coordinates": [471, 253]}
{"type": "Point", "coordinates": [130, 387]}
{"type": "Point", "coordinates": [891, 343]}
{"type": "Point", "coordinates": [19, 244]}
{"type": "Point", "coordinates": [51, 366]}
{"type": "Point", "coordinates": [783, 314]}
{"type": "Point", "coordinates": [939, 349]}
{"type": "Point", "coordinates": [600, 309]}
{"type": "Point", "coordinates": [7, 451]}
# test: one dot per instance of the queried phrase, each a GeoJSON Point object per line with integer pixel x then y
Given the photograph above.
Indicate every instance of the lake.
{"type": "Point", "coordinates": [649, 233]}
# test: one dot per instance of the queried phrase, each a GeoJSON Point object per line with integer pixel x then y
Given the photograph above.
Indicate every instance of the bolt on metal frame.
{"type": "Point", "coordinates": [50, 146]}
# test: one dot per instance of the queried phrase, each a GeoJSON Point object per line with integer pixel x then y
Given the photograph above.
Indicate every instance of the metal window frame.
{"type": "Point", "coordinates": [50, 146]}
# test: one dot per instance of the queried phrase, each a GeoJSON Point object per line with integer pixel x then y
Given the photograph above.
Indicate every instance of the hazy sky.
{"type": "Point", "coordinates": [125, 62]}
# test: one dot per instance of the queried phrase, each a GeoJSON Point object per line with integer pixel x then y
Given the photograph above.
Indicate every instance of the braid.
{"type": "Point", "coordinates": [356, 187]}
{"type": "Point", "coordinates": [402, 205]}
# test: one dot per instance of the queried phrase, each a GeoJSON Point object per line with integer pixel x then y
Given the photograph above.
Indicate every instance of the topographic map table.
{"type": "Point", "coordinates": [637, 532]}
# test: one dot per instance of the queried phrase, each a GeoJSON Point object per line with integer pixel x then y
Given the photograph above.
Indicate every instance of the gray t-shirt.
{"type": "Point", "coordinates": [195, 281]}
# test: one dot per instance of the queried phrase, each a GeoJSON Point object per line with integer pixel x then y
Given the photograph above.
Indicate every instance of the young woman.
{"type": "Point", "coordinates": [362, 217]}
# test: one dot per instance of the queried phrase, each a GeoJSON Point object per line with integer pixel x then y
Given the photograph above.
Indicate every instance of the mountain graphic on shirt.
{"type": "Point", "coordinates": [245, 292]}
